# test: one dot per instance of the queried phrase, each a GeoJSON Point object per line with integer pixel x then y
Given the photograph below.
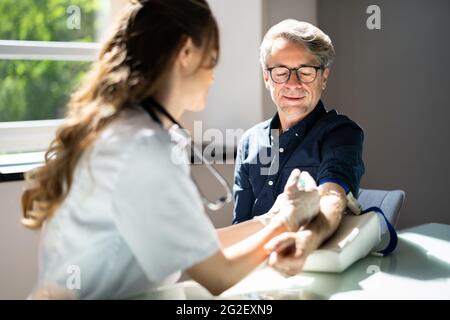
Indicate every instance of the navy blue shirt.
{"type": "Point", "coordinates": [326, 144]}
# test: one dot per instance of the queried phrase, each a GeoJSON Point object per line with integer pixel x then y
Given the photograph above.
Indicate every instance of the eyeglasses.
{"type": "Point", "coordinates": [305, 74]}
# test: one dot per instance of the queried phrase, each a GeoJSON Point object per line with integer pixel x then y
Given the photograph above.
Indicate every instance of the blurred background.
{"type": "Point", "coordinates": [394, 81]}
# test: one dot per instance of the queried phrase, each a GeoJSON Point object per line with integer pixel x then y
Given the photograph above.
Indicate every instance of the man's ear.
{"type": "Point", "coordinates": [325, 74]}
{"type": "Point", "coordinates": [185, 55]}
{"type": "Point", "coordinates": [266, 79]}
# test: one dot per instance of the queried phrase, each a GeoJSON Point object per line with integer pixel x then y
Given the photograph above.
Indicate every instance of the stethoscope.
{"type": "Point", "coordinates": [211, 205]}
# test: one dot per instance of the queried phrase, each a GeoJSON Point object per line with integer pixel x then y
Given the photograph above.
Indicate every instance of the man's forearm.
{"type": "Point", "coordinates": [323, 226]}
{"type": "Point", "coordinates": [333, 202]}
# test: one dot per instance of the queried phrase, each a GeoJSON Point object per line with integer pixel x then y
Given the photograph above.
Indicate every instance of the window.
{"type": "Point", "coordinates": [50, 20]}
{"type": "Point", "coordinates": [46, 47]}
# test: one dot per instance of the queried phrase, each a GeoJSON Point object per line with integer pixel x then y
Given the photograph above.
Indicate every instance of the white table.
{"type": "Point", "coordinates": [419, 269]}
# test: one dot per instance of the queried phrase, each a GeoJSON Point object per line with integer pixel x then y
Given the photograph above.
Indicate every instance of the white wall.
{"type": "Point", "coordinates": [18, 246]}
{"type": "Point", "coordinates": [235, 98]}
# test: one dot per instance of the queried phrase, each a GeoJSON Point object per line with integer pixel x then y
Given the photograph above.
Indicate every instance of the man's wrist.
{"type": "Point", "coordinates": [324, 226]}
{"type": "Point", "coordinates": [316, 231]}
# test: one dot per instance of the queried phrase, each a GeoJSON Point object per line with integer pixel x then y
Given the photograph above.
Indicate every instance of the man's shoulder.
{"type": "Point", "coordinates": [333, 120]}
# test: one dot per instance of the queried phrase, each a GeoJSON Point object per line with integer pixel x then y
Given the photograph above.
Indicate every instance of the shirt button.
{"type": "Point", "coordinates": [270, 183]}
{"type": "Point", "coordinates": [296, 134]}
{"type": "Point", "coordinates": [281, 149]}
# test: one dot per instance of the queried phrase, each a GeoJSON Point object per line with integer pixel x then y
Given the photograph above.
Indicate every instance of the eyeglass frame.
{"type": "Point", "coordinates": [321, 67]}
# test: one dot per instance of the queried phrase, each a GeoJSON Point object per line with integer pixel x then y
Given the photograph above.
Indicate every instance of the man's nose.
{"type": "Point", "coordinates": [294, 80]}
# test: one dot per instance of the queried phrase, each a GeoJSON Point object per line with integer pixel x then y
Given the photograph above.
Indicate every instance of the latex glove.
{"type": "Point", "coordinates": [299, 203]}
{"type": "Point", "coordinates": [289, 193]}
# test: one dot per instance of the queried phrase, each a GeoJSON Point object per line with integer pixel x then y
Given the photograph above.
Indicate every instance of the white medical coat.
{"type": "Point", "coordinates": [132, 219]}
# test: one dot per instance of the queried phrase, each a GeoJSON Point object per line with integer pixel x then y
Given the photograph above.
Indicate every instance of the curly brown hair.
{"type": "Point", "coordinates": [131, 66]}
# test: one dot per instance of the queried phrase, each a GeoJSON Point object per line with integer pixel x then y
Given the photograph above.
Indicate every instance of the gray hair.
{"type": "Point", "coordinates": [300, 32]}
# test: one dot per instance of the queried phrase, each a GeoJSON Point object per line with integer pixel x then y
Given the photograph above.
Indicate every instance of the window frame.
{"type": "Point", "coordinates": [28, 135]}
{"type": "Point", "coordinates": [48, 50]}
{"type": "Point", "coordinates": [20, 139]}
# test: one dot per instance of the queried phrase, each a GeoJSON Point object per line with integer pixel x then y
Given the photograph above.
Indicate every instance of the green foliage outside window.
{"type": "Point", "coordinates": [38, 89]}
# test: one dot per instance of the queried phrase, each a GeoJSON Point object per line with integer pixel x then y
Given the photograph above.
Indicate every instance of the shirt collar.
{"type": "Point", "coordinates": [302, 126]}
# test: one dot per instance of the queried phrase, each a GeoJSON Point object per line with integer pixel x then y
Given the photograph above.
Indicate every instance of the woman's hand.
{"type": "Point", "coordinates": [299, 203]}
{"type": "Point", "coordinates": [289, 250]}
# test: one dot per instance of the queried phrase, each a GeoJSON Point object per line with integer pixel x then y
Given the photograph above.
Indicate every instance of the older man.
{"type": "Point", "coordinates": [296, 58]}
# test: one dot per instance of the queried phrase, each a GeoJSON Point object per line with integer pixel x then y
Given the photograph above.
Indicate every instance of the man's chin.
{"type": "Point", "coordinates": [294, 111]}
